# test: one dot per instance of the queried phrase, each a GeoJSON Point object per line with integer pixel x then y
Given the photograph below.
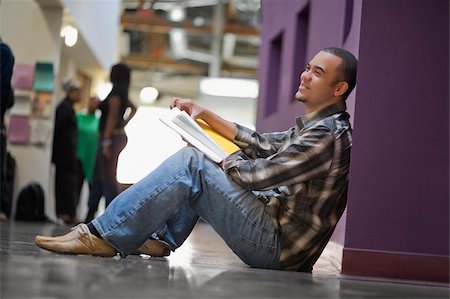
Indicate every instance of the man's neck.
{"type": "Point", "coordinates": [311, 109]}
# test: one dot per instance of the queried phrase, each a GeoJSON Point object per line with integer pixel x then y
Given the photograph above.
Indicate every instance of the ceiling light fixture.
{"type": "Point", "coordinates": [70, 35]}
{"type": "Point", "coordinates": [177, 14]}
{"type": "Point", "coordinates": [229, 87]}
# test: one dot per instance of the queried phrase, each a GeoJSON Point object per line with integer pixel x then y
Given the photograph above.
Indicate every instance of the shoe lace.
{"type": "Point", "coordinates": [83, 230]}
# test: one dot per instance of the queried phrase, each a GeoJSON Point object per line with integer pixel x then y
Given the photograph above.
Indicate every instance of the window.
{"type": "Point", "coordinates": [272, 92]}
{"type": "Point", "coordinates": [301, 41]}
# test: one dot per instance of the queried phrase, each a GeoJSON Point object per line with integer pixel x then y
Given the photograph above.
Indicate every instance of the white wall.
{"type": "Point", "coordinates": [98, 22]}
{"type": "Point", "coordinates": [33, 35]}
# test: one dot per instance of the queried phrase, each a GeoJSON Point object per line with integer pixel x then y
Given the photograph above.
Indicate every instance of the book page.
{"type": "Point", "coordinates": [192, 133]}
{"type": "Point", "coordinates": [190, 126]}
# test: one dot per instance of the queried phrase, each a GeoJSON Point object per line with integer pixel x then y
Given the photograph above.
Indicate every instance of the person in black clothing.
{"type": "Point", "coordinates": [117, 110]}
{"type": "Point", "coordinates": [65, 153]}
{"type": "Point", "coordinates": [7, 101]}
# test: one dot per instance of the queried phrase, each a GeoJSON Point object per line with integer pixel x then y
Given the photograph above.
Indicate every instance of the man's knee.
{"type": "Point", "coordinates": [191, 158]}
{"type": "Point", "coordinates": [190, 152]}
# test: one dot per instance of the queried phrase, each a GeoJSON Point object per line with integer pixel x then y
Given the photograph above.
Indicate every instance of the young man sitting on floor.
{"type": "Point", "coordinates": [275, 202]}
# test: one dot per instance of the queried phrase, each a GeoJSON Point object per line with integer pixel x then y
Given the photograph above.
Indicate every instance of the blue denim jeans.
{"type": "Point", "coordinates": [168, 202]}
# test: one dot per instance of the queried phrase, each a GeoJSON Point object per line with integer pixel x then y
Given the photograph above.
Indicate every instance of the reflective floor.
{"type": "Point", "coordinates": [203, 267]}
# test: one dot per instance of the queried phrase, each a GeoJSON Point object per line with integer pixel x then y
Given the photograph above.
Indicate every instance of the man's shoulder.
{"type": "Point", "coordinates": [5, 49]}
{"type": "Point", "coordinates": [335, 122]}
{"type": "Point", "coordinates": [65, 107]}
{"type": "Point", "coordinates": [62, 104]}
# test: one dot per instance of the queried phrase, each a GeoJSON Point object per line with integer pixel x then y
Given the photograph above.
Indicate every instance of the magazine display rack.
{"type": "Point", "coordinates": [33, 91]}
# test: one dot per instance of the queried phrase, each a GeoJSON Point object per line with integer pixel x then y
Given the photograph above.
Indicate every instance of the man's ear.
{"type": "Point", "coordinates": [341, 88]}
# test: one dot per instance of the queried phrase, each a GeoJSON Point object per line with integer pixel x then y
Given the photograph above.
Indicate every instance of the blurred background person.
{"type": "Point", "coordinates": [88, 123]}
{"type": "Point", "coordinates": [95, 190]}
{"type": "Point", "coordinates": [64, 155]}
{"type": "Point", "coordinates": [117, 110]}
{"type": "Point", "coordinates": [7, 101]}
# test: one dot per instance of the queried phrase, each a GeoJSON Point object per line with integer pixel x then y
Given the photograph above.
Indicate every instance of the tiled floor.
{"type": "Point", "coordinates": [203, 267]}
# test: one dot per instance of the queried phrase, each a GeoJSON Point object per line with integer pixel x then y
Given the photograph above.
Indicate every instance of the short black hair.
{"type": "Point", "coordinates": [347, 68]}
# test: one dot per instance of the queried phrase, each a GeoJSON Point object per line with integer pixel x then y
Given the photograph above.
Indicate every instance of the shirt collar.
{"type": "Point", "coordinates": [310, 118]}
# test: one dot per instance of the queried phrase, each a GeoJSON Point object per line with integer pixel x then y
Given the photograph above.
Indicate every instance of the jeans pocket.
{"type": "Point", "coordinates": [256, 255]}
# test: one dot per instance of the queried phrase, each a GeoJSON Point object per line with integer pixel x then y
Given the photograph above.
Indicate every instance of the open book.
{"type": "Point", "coordinates": [199, 134]}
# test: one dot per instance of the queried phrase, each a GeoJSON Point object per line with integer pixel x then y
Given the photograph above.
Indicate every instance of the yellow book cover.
{"type": "Point", "coordinates": [199, 134]}
{"type": "Point", "coordinates": [228, 146]}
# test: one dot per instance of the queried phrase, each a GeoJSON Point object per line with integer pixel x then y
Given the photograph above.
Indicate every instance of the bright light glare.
{"type": "Point", "coordinates": [229, 87]}
{"type": "Point", "coordinates": [199, 21]}
{"type": "Point", "coordinates": [177, 14]}
{"type": "Point", "coordinates": [64, 29]}
{"type": "Point", "coordinates": [104, 90]}
{"type": "Point", "coordinates": [150, 142]}
{"type": "Point", "coordinates": [70, 35]}
{"type": "Point", "coordinates": [148, 95]}
{"type": "Point", "coordinates": [177, 34]}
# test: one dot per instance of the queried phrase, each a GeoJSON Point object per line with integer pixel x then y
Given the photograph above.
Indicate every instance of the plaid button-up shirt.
{"type": "Point", "coordinates": [302, 177]}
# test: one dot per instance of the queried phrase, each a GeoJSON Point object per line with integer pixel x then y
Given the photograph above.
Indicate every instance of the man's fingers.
{"type": "Point", "coordinates": [174, 102]}
{"type": "Point", "coordinates": [182, 104]}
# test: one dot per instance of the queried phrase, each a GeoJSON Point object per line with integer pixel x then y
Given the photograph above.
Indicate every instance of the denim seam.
{"type": "Point", "coordinates": [228, 202]}
{"type": "Point", "coordinates": [141, 204]}
{"type": "Point", "coordinates": [269, 247]}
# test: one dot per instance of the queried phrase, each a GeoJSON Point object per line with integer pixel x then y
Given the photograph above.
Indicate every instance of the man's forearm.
{"type": "Point", "coordinates": [226, 128]}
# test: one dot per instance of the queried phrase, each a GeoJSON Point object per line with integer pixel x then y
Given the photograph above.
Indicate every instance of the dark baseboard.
{"type": "Point", "coordinates": [396, 265]}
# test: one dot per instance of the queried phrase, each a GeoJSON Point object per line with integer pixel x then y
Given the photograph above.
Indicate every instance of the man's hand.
{"type": "Point", "coordinates": [191, 108]}
{"type": "Point", "coordinates": [226, 128]}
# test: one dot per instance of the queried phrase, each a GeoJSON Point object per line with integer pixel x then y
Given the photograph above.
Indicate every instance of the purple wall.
{"type": "Point", "coordinates": [398, 206]}
{"type": "Point", "coordinates": [280, 20]}
{"type": "Point", "coordinates": [275, 21]}
{"type": "Point", "coordinates": [399, 175]}
{"type": "Point", "coordinates": [329, 23]}
{"type": "Point", "coordinates": [399, 196]}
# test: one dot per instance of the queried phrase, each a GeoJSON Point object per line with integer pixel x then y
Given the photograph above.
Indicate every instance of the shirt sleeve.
{"type": "Point", "coordinates": [306, 156]}
{"type": "Point", "coordinates": [256, 145]}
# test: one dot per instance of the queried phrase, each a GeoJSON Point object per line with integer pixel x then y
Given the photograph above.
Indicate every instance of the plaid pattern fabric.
{"type": "Point", "coordinates": [302, 176]}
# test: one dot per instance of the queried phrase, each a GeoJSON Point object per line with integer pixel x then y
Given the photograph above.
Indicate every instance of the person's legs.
{"type": "Point", "coordinates": [109, 168]}
{"type": "Point", "coordinates": [95, 188]}
{"type": "Point", "coordinates": [59, 191]}
{"type": "Point", "coordinates": [95, 194]}
{"type": "Point", "coordinates": [65, 193]}
{"type": "Point", "coordinates": [5, 205]}
{"type": "Point", "coordinates": [79, 181]}
{"type": "Point", "coordinates": [170, 200]}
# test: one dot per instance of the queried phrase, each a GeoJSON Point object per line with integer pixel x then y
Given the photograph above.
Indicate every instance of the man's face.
{"type": "Point", "coordinates": [75, 95]}
{"type": "Point", "coordinates": [318, 82]}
